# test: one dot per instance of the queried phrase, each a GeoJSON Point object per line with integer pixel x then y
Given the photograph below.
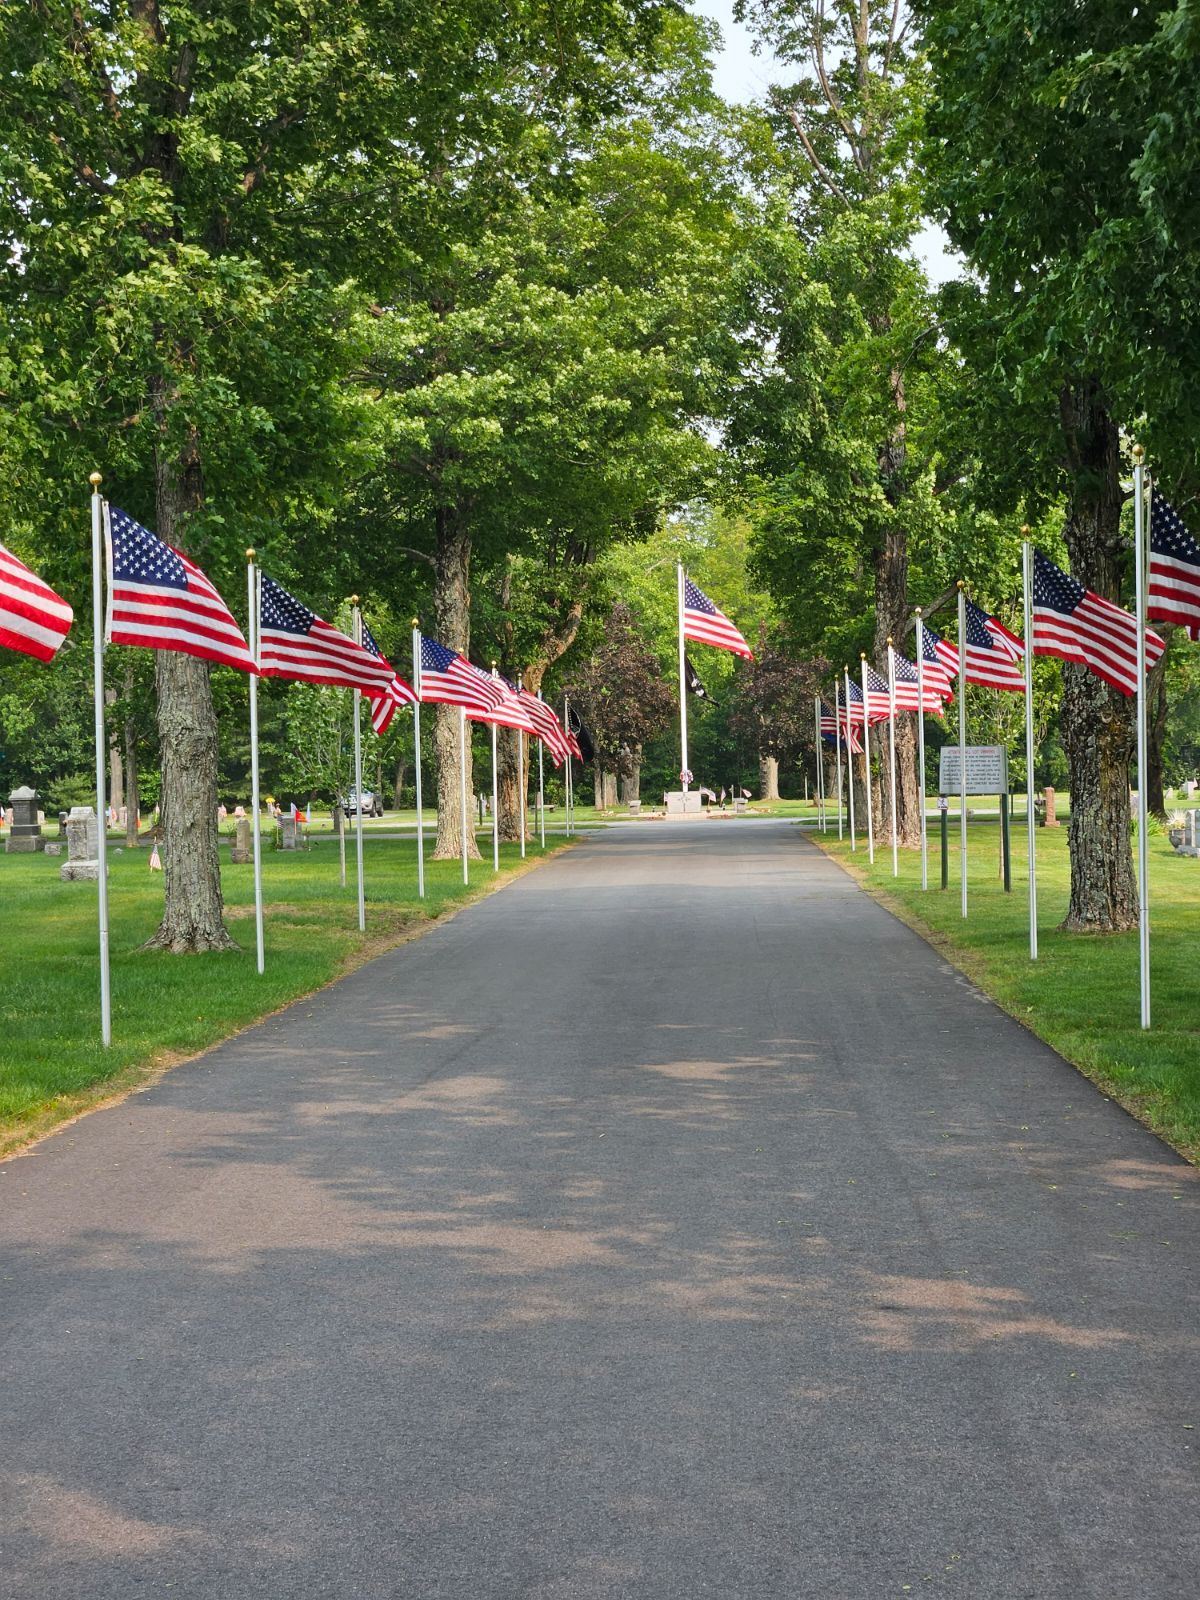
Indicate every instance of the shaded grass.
{"type": "Point", "coordinates": [1082, 994]}
{"type": "Point", "coordinates": [52, 1063]}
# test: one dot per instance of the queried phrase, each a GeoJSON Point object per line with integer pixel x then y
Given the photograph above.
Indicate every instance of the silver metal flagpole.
{"type": "Point", "coordinates": [962, 741]}
{"type": "Point", "coordinates": [568, 790]}
{"type": "Point", "coordinates": [98, 566]}
{"type": "Point", "coordinates": [850, 763]}
{"type": "Point", "coordinates": [358, 800]}
{"type": "Point", "coordinates": [254, 597]}
{"type": "Point", "coordinates": [892, 754]}
{"type": "Point", "coordinates": [541, 788]}
{"type": "Point", "coordinates": [416, 649]}
{"type": "Point", "coordinates": [817, 752]}
{"type": "Point", "coordinates": [1030, 820]}
{"type": "Point", "coordinates": [521, 780]}
{"type": "Point", "coordinates": [921, 748]}
{"type": "Point", "coordinates": [683, 742]}
{"type": "Point", "coordinates": [495, 797]}
{"type": "Point", "coordinates": [1139, 567]}
{"type": "Point", "coordinates": [867, 765]}
{"type": "Point", "coordinates": [837, 745]}
{"type": "Point", "coordinates": [462, 775]}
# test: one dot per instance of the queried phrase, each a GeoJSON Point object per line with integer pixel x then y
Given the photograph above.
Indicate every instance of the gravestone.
{"type": "Point", "coordinates": [26, 837]}
{"type": "Point", "coordinates": [83, 847]}
{"type": "Point", "coordinates": [54, 849]}
{"type": "Point", "coordinates": [1050, 820]}
{"type": "Point", "coordinates": [289, 833]}
{"type": "Point", "coordinates": [239, 850]}
{"type": "Point", "coordinates": [1189, 788]}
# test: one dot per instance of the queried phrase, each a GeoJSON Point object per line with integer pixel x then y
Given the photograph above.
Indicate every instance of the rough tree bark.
{"type": "Point", "coordinates": [631, 778]}
{"type": "Point", "coordinates": [193, 909]}
{"type": "Point", "coordinates": [452, 609]}
{"type": "Point", "coordinates": [1097, 722]}
{"type": "Point", "coordinates": [398, 781]}
{"type": "Point", "coordinates": [768, 776]}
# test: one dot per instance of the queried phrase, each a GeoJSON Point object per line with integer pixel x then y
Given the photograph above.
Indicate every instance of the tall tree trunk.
{"type": "Point", "coordinates": [1097, 722]}
{"type": "Point", "coordinates": [193, 909]}
{"type": "Point", "coordinates": [891, 615]}
{"type": "Point", "coordinates": [398, 783]}
{"type": "Point", "coordinates": [631, 778]}
{"type": "Point", "coordinates": [132, 797]}
{"type": "Point", "coordinates": [452, 610]}
{"type": "Point", "coordinates": [509, 785]}
{"type": "Point", "coordinates": [768, 776]}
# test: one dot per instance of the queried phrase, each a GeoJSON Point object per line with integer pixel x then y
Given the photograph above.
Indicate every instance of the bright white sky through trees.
{"type": "Point", "coordinates": [741, 75]}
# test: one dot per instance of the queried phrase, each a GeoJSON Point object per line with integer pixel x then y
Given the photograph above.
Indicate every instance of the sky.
{"type": "Point", "coordinates": [739, 74]}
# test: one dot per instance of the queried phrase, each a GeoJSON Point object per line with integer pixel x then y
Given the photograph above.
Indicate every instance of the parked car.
{"type": "Point", "coordinates": [372, 804]}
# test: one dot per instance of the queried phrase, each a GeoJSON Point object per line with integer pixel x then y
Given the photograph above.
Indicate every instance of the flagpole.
{"type": "Point", "coordinates": [521, 779]}
{"type": "Point", "coordinates": [1030, 820]}
{"type": "Point", "coordinates": [569, 785]}
{"type": "Point", "coordinates": [921, 748]}
{"type": "Point", "coordinates": [962, 741]}
{"type": "Point", "coordinates": [98, 565]}
{"type": "Point", "coordinates": [867, 764]}
{"type": "Point", "coordinates": [1139, 567]}
{"type": "Point", "coordinates": [850, 763]}
{"type": "Point", "coordinates": [462, 776]}
{"type": "Point", "coordinates": [356, 614]}
{"type": "Point", "coordinates": [817, 753]}
{"type": "Point", "coordinates": [495, 797]}
{"type": "Point", "coordinates": [837, 745]}
{"type": "Point", "coordinates": [541, 788]}
{"type": "Point", "coordinates": [253, 598]}
{"type": "Point", "coordinates": [683, 742]}
{"type": "Point", "coordinates": [892, 753]}
{"type": "Point", "coordinates": [416, 649]}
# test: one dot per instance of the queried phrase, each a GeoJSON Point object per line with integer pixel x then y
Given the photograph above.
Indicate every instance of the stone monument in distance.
{"type": "Point", "coordinates": [26, 835]}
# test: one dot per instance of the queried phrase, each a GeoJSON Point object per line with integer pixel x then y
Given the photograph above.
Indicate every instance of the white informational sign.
{"type": "Point", "coordinates": [987, 769]}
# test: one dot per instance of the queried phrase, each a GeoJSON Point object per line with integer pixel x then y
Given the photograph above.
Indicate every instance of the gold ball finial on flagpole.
{"type": "Point", "coordinates": [1139, 454]}
{"type": "Point", "coordinates": [416, 622]}
{"type": "Point", "coordinates": [95, 479]}
{"type": "Point", "coordinates": [890, 640]}
{"type": "Point", "coordinates": [251, 553]}
{"type": "Point", "coordinates": [1026, 530]}
{"type": "Point", "coordinates": [960, 584]}
{"type": "Point", "coordinates": [917, 611]}
{"type": "Point", "coordinates": [353, 599]}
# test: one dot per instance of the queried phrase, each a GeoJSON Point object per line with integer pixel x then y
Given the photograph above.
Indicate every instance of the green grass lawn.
{"type": "Point", "coordinates": [1082, 994]}
{"type": "Point", "coordinates": [51, 1060]}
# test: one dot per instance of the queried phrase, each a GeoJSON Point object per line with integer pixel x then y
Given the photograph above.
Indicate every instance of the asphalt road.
{"type": "Point", "coordinates": [672, 1224]}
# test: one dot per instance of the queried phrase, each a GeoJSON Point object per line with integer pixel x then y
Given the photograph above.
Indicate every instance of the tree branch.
{"type": "Point", "coordinates": [818, 165]}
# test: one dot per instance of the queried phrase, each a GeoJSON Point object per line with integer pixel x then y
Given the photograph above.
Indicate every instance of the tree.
{"type": "Point", "coordinates": [622, 697]}
{"type": "Point", "coordinates": [773, 707]}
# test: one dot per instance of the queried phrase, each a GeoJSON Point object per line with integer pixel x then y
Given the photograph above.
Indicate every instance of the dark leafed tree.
{"type": "Point", "coordinates": [773, 707]}
{"type": "Point", "coordinates": [621, 695]}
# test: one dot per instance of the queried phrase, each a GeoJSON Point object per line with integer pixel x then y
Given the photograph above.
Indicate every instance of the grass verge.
{"type": "Point", "coordinates": [167, 1008]}
{"type": "Point", "coordinates": [1081, 996]}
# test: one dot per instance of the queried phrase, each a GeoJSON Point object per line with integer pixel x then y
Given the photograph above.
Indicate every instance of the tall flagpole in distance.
{"type": "Point", "coordinates": [683, 760]}
{"type": "Point", "coordinates": [867, 765]}
{"type": "Point", "coordinates": [98, 565]}
{"type": "Point", "coordinates": [850, 763]}
{"type": "Point", "coordinates": [521, 779]}
{"type": "Point", "coordinates": [921, 748]}
{"type": "Point", "coordinates": [817, 753]}
{"type": "Point", "coordinates": [569, 786]}
{"type": "Point", "coordinates": [962, 741]}
{"type": "Point", "coordinates": [892, 754]}
{"type": "Point", "coordinates": [356, 614]}
{"type": "Point", "coordinates": [837, 744]}
{"type": "Point", "coordinates": [541, 788]}
{"type": "Point", "coordinates": [495, 798]}
{"type": "Point", "coordinates": [1139, 567]}
{"type": "Point", "coordinates": [416, 650]}
{"type": "Point", "coordinates": [462, 785]}
{"type": "Point", "coordinates": [253, 595]}
{"type": "Point", "coordinates": [1030, 820]}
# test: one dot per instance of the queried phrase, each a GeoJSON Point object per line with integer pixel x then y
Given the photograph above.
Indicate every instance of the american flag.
{"type": "Point", "coordinates": [851, 721]}
{"type": "Point", "coordinates": [1173, 589]}
{"type": "Point", "coordinates": [994, 655]}
{"type": "Point", "coordinates": [828, 723]}
{"type": "Point", "coordinates": [546, 725]}
{"type": "Point", "coordinates": [295, 643]}
{"type": "Point", "coordinates": [447, 678]}
{"type": "Point", "coordinates": [33, 619]}
{"type": "Point", "coordinates": [399, 693]}
{"type": "Point", "coordinates": [879, 698]}
{"type": "Point", "coordinates": [1072, 622]}
{"type": "Point", "coordinates": [512, 711]}
{"type": "Point", "coordinates": [909, 686]}
{"type": "Point", "coordinates": [704, 622]}
{"type": "Point", "coordinates": [160, 600]}
{"type": "Point", "coordinates": [940, 659]}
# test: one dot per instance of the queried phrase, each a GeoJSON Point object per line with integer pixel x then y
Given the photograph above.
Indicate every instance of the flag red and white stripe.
{"type": "Point", "coordinates": [1078, 625]}
{"type": "Point", "coordinates": [1173, 575]}
{"type": "Point", "coordinates": [547, 727]}
{"type": "Point", "coordinates": [159, 600]}
{"type": "Point", "coordinates": [33, 619]}
{"type": "Point", "coordinates": [447, 678]}
{"type": "Point", "coordinates": [994, 656]}
{"type": "Point", "coordinates": [909, 686]}
{"type": "Point", "coordinates": [708, 624]}
{"type": "Point", "coordinates": [398, 693]}
{"type": "Point", "coordinates": [293, 642]}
